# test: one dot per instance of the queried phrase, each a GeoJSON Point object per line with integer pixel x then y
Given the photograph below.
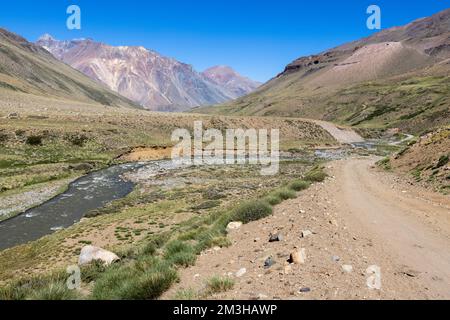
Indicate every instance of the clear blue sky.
{"type": "Point", "coordinates": [257, 38]}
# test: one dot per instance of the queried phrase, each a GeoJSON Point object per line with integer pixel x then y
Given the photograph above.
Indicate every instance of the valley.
{"type": "Point", "coordinates": [358, 210]}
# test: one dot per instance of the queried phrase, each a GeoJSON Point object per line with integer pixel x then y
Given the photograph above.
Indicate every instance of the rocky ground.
{"type": "Point", "coordinates": [358, 218]}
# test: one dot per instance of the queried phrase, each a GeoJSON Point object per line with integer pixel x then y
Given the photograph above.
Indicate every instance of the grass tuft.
{"type": "Point", "coordinates": [252, 211]}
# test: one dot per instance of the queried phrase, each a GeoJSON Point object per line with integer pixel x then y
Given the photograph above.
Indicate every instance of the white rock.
{"type": "Point", "coordinates": [90, 253]}
{"type": "Point", "coordinates": [347, 268]}
{"type": "Point", "coordinates": [233, 226]}
{"type": "Point", "coordinates": [241, 272]}
{"type": "Point", "coordinates": [299, 256]}
{"type": "Point", "coordinates": [306, 233]}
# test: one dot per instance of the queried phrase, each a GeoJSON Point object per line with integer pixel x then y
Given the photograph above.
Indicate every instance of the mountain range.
{"type": "Point", "coordinates": [398, 77]}
{"type": "Point", "coordinates": [28, 69]}
{"type": "Point", "coordinates": [154, 81]}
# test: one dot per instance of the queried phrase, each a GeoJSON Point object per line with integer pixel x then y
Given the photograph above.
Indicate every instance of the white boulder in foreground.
{"type": "Point", "coordinates": [233, 226]}
{"type": "Point", "coordinates": [90, 254]}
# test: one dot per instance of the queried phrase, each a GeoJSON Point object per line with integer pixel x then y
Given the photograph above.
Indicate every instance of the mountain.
{"type": "Point", "coordinates": [398, 77]}
{"type": "Point", "coordinates": [27, 68]}
{"type": "Point", "coordinates": [146, 77]}
{"type": "Point", "coordinates": [229, 79]}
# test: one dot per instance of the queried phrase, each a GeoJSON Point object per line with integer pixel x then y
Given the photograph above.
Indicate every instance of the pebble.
{"type": "Point", "coordinates": [269, 262]}
{"type": "Point", "coordinates": [306, 233]}
{"type": "Point", "coordinates": [347, 268]}
{"type": "Point", "coordinates": [241, 272]}
{"type": "Point", "coordinates": [276, 237]}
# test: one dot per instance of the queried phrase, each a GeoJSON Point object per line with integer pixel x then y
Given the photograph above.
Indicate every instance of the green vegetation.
{"type": "Point", "coordinates": [148, 265]}
{"type": "Point", "coordinates": [252, 211]}
{"type": "Point", "coordinates": [145, 279]}
{"type": "Point", "coordinates": [316, 175]}
{"type": "Point", "coordinates": [299, 185]}
{"type": "Point", "coordinates": [219, 284]}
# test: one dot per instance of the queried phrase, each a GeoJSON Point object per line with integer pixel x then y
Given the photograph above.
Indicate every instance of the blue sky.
{"type": "Point", "coordinates": [257, 38]}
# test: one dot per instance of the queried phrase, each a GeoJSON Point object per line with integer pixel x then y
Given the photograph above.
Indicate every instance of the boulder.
{"type": "Point", "coordinates": [90, 254]}
{"type": "Point", "coordinates": [232, 226]}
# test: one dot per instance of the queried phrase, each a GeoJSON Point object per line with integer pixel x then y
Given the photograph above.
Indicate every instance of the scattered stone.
{"type": "Point", "coordinates": [241, 272]}
{"type": "Point", "coordinates": [276, 237]}
{"type": "Point", "coordinates": [269, 263]}
{"type": "Point", "coordinates": [305, 290]}
{"type": "Point", "coordinates": [347, 268]}
{"type": "Point", "coordinates": [306, 233]}
{"type": "Point", "coordinates": [232, 226]}
{"type": "Point", "coordinates": [262, 297]}
{"type": "Point", "coordinates": [298, 257]}
{"type": "Point", "coordinates": [287, 269]}
{"type": "Point", "coordinates": [90, 254]}
{"type": "Point", "coordinates": [13, 116]}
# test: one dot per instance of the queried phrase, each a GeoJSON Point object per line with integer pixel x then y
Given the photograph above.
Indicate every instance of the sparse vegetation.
{"type": "Point", "coordinates": [252, 211]}
{"type": "Point", "coordinates": [299, 185]}
{"type": "Point", "coordinates": [219, 284]}
{"type": "Point", "coordinates": [316, 175]}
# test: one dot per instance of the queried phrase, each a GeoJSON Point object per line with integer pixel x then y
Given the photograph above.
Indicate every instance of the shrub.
{"type": "Point", "coordinates": [316, 175]}
{"type": "Point", "coordinates": [219, 284]}
{"type": "Point", "coordinates": [252, 211]}
{"type": "Point", "coordinates": [299, 185]}
{"type": "Point", "coordinates": [34, 140]}
{"type": "Point", "coordinates": [186, 294]}
{"type": "Point", "coordinates": [180, 253]}
{"type": "Point", "coordinates": [442, 162]}
{"type": "Point", "coordinates": [77, 139]}
{"type": "Point", "coordinates": [273, 199]}
{"type": "Point", "coordinates": [285, 194]}
{"type": "Point", "coordinates": [146, 279]}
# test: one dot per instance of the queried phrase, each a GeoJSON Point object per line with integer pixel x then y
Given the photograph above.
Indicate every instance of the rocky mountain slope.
{"type": "Point", "coordinates": [229, 79]}
{"type": "Point", "coordinates": [148, 78]}
{"type": "Point", "coordinates": [398, 77]}
{"type": "Point", "coordinates": [27, 68]}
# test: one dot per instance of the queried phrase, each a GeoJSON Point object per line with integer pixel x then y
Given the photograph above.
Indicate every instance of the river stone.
{"type": "Point", "coordinates": [234, 226]}
{"type": "Point", "coordinates": [90, 253]}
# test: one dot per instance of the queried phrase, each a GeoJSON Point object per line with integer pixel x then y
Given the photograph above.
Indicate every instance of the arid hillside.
{"type": "Point", "coordinates": [396, 78]}
{"type": "Point", "coordinates": [427, 160]}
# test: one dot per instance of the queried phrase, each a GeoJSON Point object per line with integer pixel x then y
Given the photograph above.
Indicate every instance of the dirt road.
{"type": "Point", "coordinates": [412, 224]}
{"type": "Point", "coordinates": [343, 135]}
{"type": "Point", "coordinates": [360, 217]}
